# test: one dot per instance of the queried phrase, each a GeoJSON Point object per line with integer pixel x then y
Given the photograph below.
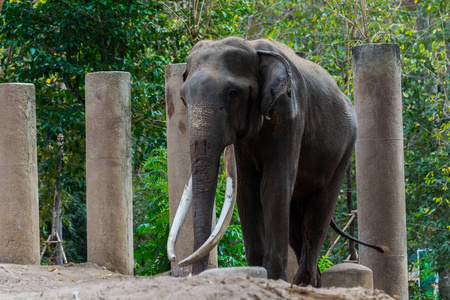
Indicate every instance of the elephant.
{"type": "Point", "coordinates": [289, 133]}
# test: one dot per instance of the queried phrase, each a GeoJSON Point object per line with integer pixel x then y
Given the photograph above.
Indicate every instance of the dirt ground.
{"type": "Point", "coordinates": [89, 281]}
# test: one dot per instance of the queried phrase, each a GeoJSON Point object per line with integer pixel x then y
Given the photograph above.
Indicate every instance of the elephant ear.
{"type": "Point", "coordinates": [277, 79]}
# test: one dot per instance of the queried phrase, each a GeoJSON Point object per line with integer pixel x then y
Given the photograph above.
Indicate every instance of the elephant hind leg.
{"type": "Point", "coordinates": [317, 210]}
{"type": "Point", "coordinates": [306, 274]}
{"type": "Point", "coordinates": [311, 231]}
{"type": "Point", "coordinates": [295, 223]}
{"type": "Point", "coordinates": [317, 213]}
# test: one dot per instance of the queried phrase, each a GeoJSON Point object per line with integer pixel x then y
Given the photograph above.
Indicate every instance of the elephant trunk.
{"type": "Point", "coordinates": [206, 146]}
{"type": "Point", "coordinates": [201, 254]}
{"type": "Point", "coordinates": [205, 160]}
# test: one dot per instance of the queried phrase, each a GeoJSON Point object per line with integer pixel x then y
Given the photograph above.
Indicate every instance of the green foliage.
{"type": "Point", "coordinates": [209, 19]}
{"type": "Point", "coordinates": [326, 31]}
{"type": "Point", "coordinates": [231, 250]}
{"type": "Point", "coordinates": [426, 118]}
{"type": "Point", "coordinates": [424, 268]}
{"type": "Point", "coordinates": [151, 216]}
{"type": "Point", "coordinates": [53, 44]}
{"type": "Point", "coordinates": [324, 263]}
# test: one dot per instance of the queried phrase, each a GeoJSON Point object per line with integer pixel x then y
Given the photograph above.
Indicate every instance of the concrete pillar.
{"type": "Point", "coordinates": [379, 165]}
{"type": "Point", "coordinates": [178, 162]}
{"type": "Point", "coordinates": [179, 165]}
{"type": "Point", "coordinates": [19, 204]}
{"type": "Point", "coordinates": [348, 275]}
{"type": "Point", "coordinates": [108, 171]}
{"type": "Point", "coordinates": [444, 285]}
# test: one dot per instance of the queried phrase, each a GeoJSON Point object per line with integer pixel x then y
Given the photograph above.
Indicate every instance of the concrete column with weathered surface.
{"type": "Point", "coordinates": [348, 275]}
{"type": "Point", "coordinates": [19, 204]}
{"type": "Point", "coordinates": [179, 162]}
{"type": "Point", "coordinates": [108, 171]}
{"type": "Point", "coordinates": [444, 284]}
{"type": "Point", "coordinates": [179, 166]}
{"type": "Point", "coordinates": [379, 164]}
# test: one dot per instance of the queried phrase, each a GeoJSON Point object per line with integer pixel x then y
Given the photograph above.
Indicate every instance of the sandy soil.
{"type": "Point", "coordinates": [89, 281]}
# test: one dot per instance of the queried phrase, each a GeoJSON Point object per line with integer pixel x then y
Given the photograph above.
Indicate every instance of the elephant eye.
{"type": "Point", "coordinates": [232, 93]}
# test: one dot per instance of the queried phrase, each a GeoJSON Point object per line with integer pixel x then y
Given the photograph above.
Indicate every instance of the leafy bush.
{"type": "Point", "coordinates": [231, 250]}
{"type": "Point", "coordinates": [151, 209]}
{"type": "Point", "coordinates": [324, 263]}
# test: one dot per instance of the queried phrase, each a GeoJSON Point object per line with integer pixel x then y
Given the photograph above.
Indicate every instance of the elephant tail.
{"type": "Point", "coordinates": [339, 231]}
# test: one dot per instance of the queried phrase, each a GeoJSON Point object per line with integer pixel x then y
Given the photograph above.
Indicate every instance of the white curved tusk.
{"type": "Point", "coordinates": [178, 220]}
{"type": "Point", "coordinates": [225, 215]}
{"type": "Point", "coordinates": [219, 230]}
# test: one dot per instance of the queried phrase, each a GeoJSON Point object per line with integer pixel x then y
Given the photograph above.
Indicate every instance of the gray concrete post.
{"type": "Point", "coordinates": [379, 164]}
{"type": "Point", "coordinates": [348, 275]}
{"type": "Point", "coordinates": [444, 285]}
{"type": "Point", "coordinates": [108, 171]}
{"type": "Point", "coordinates": [179, 165]}
{"type": "Point", "coordinates": [19, 204]}
{"type": "Point", "coordinates": [178, 162]}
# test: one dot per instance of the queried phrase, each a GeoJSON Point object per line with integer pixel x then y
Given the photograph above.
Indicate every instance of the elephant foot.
{"type": "Point", "coordinates": [306, 278]}
{"type": "Point", "coordinates": [275, 268]}
{"type": "Point", "coordinates": [275, 272]}
{"type": "Point", "coordinates": [277, 275]}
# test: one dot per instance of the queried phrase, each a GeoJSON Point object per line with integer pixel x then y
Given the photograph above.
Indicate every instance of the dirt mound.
{"type": "Point", "coordinates": [89, 281]}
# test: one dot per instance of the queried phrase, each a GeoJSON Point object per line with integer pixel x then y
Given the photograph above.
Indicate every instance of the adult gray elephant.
{"type": "Point", "coordinates": [293, 133]}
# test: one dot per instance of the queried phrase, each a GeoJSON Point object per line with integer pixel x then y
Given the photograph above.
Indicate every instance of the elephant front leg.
{"type": "Point", "coordinates": [276, 192]}
{"type": "Point", "coordinates": [250, 209]}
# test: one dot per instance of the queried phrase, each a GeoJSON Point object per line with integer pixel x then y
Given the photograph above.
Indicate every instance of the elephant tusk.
{"type": "Point", "coordinates": [225, 215]}
{"type": "Point", "coordinates": [219, 230]}
{"type": "Point", "coordinates": [178, 220]}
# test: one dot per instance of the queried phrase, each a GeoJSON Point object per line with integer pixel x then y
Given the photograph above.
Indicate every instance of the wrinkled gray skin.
{"type": "Point", "coordinates": [293, 138]}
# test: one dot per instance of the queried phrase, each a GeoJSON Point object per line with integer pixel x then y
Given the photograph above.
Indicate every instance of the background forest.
{"type": "Point", "coordinates": [54, 43]}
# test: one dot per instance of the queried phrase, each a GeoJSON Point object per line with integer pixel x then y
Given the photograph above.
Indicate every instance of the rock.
{"type": "Point", "coordinates": [258, 272]}
{"type": "Point", "coordinates": [348, 275]}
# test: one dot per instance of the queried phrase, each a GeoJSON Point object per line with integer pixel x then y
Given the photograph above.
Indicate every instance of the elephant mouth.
{"type": "Point", "coordinates": [224, 219]}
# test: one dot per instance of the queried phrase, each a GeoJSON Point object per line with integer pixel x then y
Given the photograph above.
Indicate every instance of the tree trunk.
{"type": "Point", "coordinates": [56, 234]}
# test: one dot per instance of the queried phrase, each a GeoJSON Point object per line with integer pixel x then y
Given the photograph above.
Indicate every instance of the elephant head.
{"type": "Point", "coordinates": [229, 88]}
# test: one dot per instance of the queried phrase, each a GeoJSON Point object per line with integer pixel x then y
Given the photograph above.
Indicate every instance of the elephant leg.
{"type": "Point", "coordinates": [295, 223]}
{"type": "Point", "coordinates": [318, 210]}
{"type": "Point", "coordinates": [312, 231]}
{"type": "Point", "coordinates": [250, 210]}
{"type": "Point", "coordinates": [276, 192]}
